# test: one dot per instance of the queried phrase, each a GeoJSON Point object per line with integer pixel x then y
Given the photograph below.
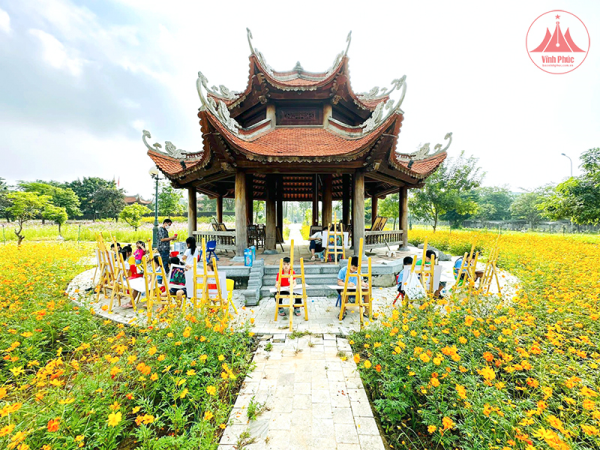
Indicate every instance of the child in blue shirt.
{"type": "Point", "coordinates": [352, 282]}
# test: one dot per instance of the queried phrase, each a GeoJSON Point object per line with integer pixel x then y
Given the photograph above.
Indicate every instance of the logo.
{"type": "Point", "coordinates": [554, 50]}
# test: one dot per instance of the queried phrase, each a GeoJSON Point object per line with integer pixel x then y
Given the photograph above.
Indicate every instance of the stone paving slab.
{"type": "Point", "coordinates": [313, 399]}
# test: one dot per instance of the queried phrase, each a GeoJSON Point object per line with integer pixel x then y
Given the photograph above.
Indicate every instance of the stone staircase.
{"type": "Point", "coordinates": [317, 278]}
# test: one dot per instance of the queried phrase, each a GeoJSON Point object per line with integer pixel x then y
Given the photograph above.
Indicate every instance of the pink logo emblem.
{"type": "Point", "coordinates": [557, 52]}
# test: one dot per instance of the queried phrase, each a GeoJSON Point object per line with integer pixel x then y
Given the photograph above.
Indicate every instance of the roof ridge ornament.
{"type": "Point", "coordinates": [423, 152]}
{"type": "Point", "coordinates": [170, 149]}
{"type": "Point", "coordinates": [374, 93]}
{"type": "Point", "coordinates": [221, 91]}
{"type": "Point", "coordinates": [378, 116]}
{"type": "Point", "coordinates": [298, 67]}
{"type": "Point", "coordinates": [219, 110]}
{"type": "Point", "coordinates": [348, 40]}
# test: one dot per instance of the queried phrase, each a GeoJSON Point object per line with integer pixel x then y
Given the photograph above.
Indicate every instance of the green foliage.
{"type": "Point", "coordinates": [493, 203]}
{"type": "Point", "coordinates": [109, 202]}
{"type": "Point", "coordinates": [61, 197]}
{"type": "Point", "coordinates": [445, 190]}
{"type": "Point", "coordinates": [57, 214]}
{"type": "Point", "coordinates": [4, 202]}
{"type": "Point", "coordinates": [389, 207]}
{"type": "Point", "coordinates": [86, 189]}
{"type": "Point", "coordinates": [528, 206]}
{"type": "Point", "coordinates": [255, 409]}
{"type": "Point", "coordinates": [578, 198]}
{"type": "Point", "coordinates": [133, 214]}
{"type": "Point", "coordinates": [25, 206]}
{"type": "Point", "coordinates": [169, 200]}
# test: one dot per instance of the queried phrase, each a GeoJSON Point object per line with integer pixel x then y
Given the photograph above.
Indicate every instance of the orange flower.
{"type": "Point", "coordinates": [378, 367]}
{"type": "Point", "coordinates": [53, 425]}
{"type": "Point", "coordinates": [488, 356]}
{"type": "Point", "coordinates": [448, 423]}
{"type": "Point", "coordinates": [357, 358]}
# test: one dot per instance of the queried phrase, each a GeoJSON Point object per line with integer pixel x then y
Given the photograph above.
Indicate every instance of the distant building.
{"type": "Point", "coordinates": [131, 199]}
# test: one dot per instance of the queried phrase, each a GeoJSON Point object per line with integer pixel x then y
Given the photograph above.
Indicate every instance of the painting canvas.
{"type": "Point", "coordinates": [177, 276]}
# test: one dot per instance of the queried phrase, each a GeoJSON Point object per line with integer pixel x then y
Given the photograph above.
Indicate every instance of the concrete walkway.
{"type": "Point", "coordinates": [312, 398]}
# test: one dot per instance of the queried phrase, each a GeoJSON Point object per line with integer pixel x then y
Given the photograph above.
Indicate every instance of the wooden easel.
{"type": "Point", "coordinates": [359, 293]}
{"type": "Point", "coordinates": [425, 272]}
{"type": "Point", "coordinates": [151, 274]}
{"type": "Point", "coordinates": [291, 296]}
{"type": "Point", "coordinates": [490, 273]}
{"type": "Point", "coordinates": [337, 232]}
{"type": "Point", "coordinates": [106, 268]}
{"type": "Point", "coordinates": [466, 276]}
{"type": "Point", "coordinates": [120, 287]}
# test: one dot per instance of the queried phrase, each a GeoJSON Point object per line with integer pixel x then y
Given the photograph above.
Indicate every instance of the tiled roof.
{"type": "Point", "coordinates": [299, 142]}
{"type": "Point", "coordinates": [172, 166]}
{"type": "Point", "coordinates": [422, 168]}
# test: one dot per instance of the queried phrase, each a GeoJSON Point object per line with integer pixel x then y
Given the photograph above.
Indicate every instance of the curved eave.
{"type": "Point", "coordinates": [419, 169]}
{"type": "Point", "coordinates": [172, 168]}
{"type": "Point", "coordinates": [291, 144]}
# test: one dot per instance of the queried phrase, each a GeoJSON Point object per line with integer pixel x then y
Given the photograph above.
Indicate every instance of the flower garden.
{"type": "Point", "coordinates": [72, 380]}
{"type": "Point", "coordinates": [474, 373]}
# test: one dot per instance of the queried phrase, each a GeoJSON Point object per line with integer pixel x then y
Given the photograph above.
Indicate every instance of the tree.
{"type": "Point", "coordinates": [86, 189]}
{"type": "Point", "coordinates": [578, 198]}
{"type": "Point", "coordinates": [109, 202]}
{"type": "Point", "coordinates": [133, 214]}
{"type": "Point", "coordinates": [443, 191]}
{"type": "Point", "coordinates": [4, 202]}
{"type": "Point", "coordinates": [493, 203]}
{"type": "Point", "coordinates": [57, 214]}
{"type": "Point", "coordinates": [388, 207]}
{"type": "Point", "coordinates": [60, 197]}
{"type": "Point", "coordinates": [528, 207]}
{"type": "Point", "coordinates": [25, 206]}
{"type": "Point", "coordinates": [169, 200]}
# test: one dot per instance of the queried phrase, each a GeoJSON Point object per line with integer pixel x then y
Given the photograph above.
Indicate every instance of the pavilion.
{"type": "Point", "coordinates": [298, 136]}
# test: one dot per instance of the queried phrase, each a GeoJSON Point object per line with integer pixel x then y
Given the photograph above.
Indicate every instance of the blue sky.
{"type": "Point", "coordinates": [80, 80]}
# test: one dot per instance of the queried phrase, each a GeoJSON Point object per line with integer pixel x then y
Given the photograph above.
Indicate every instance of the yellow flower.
{"type": "Point", "coordinates": [431, 429]}
{"type": "Point", "coordinates": [211, 390]}
{"type": "Point", "coordinates": [153, 377]}
{"type": "Point", "coordinates": [115, 406]}
{"type": "Point", "coordinates": [183, 393]}
{"type": "Point", "coordinates": [434, 382]}
{"type": "Point", "coordinates": [357, 358]}
{"type": "Point", "coordinates": [152, 351]}
{"type": "Point", "coordinates": [221, 358]}
{"type": "Point", "coordinates": [461, 391]}
{"type": "Point", "coordinates": [424, 357]}
{"type": "Point", "coordinates": [448, 423]}
{"type": "Point", "coordinates": [114, 419]}
{"type": "Point", "coordinates": [7, 429]}
{"type": "Point", "coordinates": [208, 415]}
{"type": "Point", "coordinates": [191, 373]}
{"type": "Point", "coordinates": [367, 364]}
{"type": "Point", "coordinates": [487, 373]}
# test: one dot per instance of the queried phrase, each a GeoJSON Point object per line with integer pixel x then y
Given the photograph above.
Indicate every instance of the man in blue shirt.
{"type": "Point", "coordinates": [352, 283]}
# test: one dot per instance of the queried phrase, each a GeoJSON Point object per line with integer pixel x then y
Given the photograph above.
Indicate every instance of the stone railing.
{"type": "Point", "coordinates": [377, 239]}
{"type": "Point", "coordinates": [225, 239]}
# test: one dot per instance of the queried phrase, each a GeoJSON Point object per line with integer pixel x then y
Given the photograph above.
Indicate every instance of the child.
{"type": "Point", "coordinates": [192, 254]}
{"type": "Point", "coordinates": [428, 255]}
{"type": "Point", "coordinates": [139, 253]}
{"type": "Point", "coordinates": [179, 292]}
{"type": "Point", "coordinates": [407, 261]}
{"type": "Point", "coordinates": [285, 283]}
{"type": "Point", "coordinates": [352, 282]}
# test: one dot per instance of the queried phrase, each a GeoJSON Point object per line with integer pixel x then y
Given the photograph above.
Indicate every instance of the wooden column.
{"type": "Point", "coordinates": [374, 200]}
{"type": "Point", "coordinates": [241, 211]}
{"type": "Point", "coordinates": [220, 208]}
{"type": "Point", "coordinates": [271, 216]}
{"type": "Point", "coordinates": [315, 206]}
{"type": "Point", "coordinates": [280, 203]}
{"type": "Point", "coordinates": [192, 211]}
{"type": "Point", "coordinates": [358, 210]}
{"type": "Point", "coordinates": [403, 215]}
{"type": "Point", "coordinates": [249, 198]}
{"type": "Point", "coordinates": [327, 200]}
{"type": "Point", "coordinates": [346, 199]}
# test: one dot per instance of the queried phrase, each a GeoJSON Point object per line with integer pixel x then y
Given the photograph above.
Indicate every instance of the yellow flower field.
{"type": "Point", "coordinates": [71, 380]}
{"type": "Point", "coordinates": [486, 373]}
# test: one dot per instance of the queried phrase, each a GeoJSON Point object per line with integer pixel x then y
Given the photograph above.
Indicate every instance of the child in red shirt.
{"type": "Point", "coordinates": [285, 283]}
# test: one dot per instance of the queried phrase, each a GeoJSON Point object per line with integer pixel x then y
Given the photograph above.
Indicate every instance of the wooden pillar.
{"type": "Point", "coordinates": [315, 206]}
{"type": "Point", "coordinates": [249, 199]}
{"type": "Point", "coordinates": [327, 200]}
{"type": "Point", "coordinates": [280, 204]}
{"type": "Point", "coordinates": [374, 200]}
{"type": "Point", "coordinates": [241, 211]}
{"type": "Point", "coordinates": [220, 208]}
{"type": "Point", "coordinates": [403, 215]}
{"type": "Point", "coordinates": [358, 210]}
{"type": "Point", "coordinates": [346, 198]}
{"type": "Point", "coordinates": [192, 211]}
{"type": "Point", "coordinates": [271, 216]}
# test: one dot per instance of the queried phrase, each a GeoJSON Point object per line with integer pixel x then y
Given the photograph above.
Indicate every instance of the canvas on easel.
{"type": "Point", "coordinates": [363, 296]}
{"type": "Point", "coordinates": [120, 287]}
{"type": "Point", "coordinates": [427, 275]}
{"type": "Point", "coordinates": [154, 296]}
{"type": "Point", "coordinates": [291, 296]}
{"type": "Point", "coordinates": [107, 268]}
{"type": "Point", "coordinates": [467, 272]}
{"type": "Point", "coordinates": [490, 273]}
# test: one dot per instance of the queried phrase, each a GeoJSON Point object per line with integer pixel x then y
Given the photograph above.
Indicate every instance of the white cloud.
{"type": "Point", "coordinates": [138, 125]}
{"type": "Point", "coordinates": [4, 21]}
{"type": "Point", "coordinates": [56, 54]}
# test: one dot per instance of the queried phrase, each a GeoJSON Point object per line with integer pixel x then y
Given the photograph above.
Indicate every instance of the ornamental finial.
{"type": "Point", "coordinates": [249, 36]}
{"type": "Point", "coordinates": [348, 40]}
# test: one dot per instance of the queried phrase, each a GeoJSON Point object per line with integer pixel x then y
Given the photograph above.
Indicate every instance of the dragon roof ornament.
{"type": "Point", "coordinates": [423, 152]}
{"type": "Point", "coordinates": [375, 94]}
{"type": "Point", "coordinates": [220, 92]}
{"type": "Point", "coordinates": [170, 149]}
{"type": "Point", "coordinates": [379, 116]}
{"type": "Point", "coordinates": [218, 109]}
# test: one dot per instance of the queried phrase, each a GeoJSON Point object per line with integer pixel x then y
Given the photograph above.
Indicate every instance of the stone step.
{"type": "Point", "coordinates": [311, 291]}
{"type": "Point", "coordinates": [319, 279]}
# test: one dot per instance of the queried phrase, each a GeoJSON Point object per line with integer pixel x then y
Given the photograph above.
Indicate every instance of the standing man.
{"type": "Point", "coordinates": [164, 240]}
